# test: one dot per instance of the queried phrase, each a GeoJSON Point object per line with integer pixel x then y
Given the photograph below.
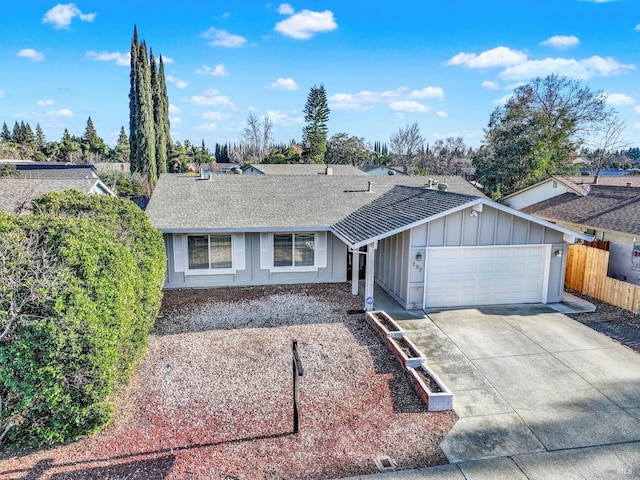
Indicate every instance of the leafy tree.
{"type": "Point", "coordinates": [609, 139]}
{"type": "Point", "coordinates": [406, 143]}
{"type": "Point", "coordinates": [537, 131]}
{"type": "Point", "coordinates": [256, 137]}
{"type": "Point", "coordinates": [8, 171]}
{"type": "Point", "coordinates": [314, 134]}
{"type": "Point", "coordinates": [346, 150]}
{"type": "Point", "coordinates": [283, 155]}
{"type": "Point", "coordinates": [447, 157]}
{"type": "Point", "coordinates": [41, 141]}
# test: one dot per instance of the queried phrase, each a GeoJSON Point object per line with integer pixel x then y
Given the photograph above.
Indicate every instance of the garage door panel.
{"type": "Point", "coordinates": [483, 276]}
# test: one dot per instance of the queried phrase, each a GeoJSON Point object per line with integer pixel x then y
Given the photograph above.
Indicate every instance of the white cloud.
{"type": "Point", "coordinates": [636, 126]}
{"type": "Point", "coordinates": [1, 94]}
{"type": "Point", "coordinates": [285, 118]}
{"type": "Point", "coordinates": [285, 9]}
{"type": "Point", "coordinates": [177, 82]}
{"type": "Point", "coordinates": [216, 116]}
{"type": "Point", "coordinates": [365, 99]}
{"type": "Point", "coordinates": [408, 106]}
{"type": "Point", "coordinates": [285, 84]}
{"type": "Point", "coordinates": [64, 112]}
{"type": "Point", "coordinates": [619, 99]}
{"type": "Point", "coordinates": [31, 54]}
{"type": "Point", "coordinates": [577, 69]}
{"type": "Point", "coordinates": [490, 85]}
{"type": "Point", "coordinates": [62, 14]}
{"type": "Point", "coordinates": [222, 38]}
{"type": "Point", "coordinates": [44, 103]}
{"type": "Point", "coordinates": [496, 57]}
{"type": "Point", "coordinates": [428, 92]}
{"type": "Point", "coordinates": [217, 71]}
{"type": "Point", "coordinates": [637, 28]}
{"type": "Point", "coordinates": [306, 24]}
{"type": "Point", "coordinates": [175, 120]}
{"type": "Point", "coordinates": [122, 59]}
{"type": "Point", "coordinates": [211, 98]}
{"type": "Point", "coordinates": [637, 109]}
{"type": "Point", "coordinates": [561, 42]}
{"type": "Point", "coordinates": [166, 60]}
{"type": "Point", "coordinates": [442, 114]}
{"type": "Point", "coordinates": [174, 109]}
{"type": "Point", "coordinates": [206, 127]}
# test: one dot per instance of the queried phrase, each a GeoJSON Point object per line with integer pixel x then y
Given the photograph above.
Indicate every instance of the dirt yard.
{"type": "Point", "coordinates": [212, 398]}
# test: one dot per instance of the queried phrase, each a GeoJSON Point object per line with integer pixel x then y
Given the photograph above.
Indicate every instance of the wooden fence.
{"type": "Point", "coordinates": [587, 273]}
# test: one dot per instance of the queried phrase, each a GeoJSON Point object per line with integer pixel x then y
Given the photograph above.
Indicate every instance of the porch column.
{"type": "Point", "coordinates": [355, 271]}
{"type": "Point", "coordinates": [369, 277]}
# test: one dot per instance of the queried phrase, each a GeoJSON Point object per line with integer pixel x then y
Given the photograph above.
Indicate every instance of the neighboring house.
{"type": "Point", "coordinates": [299, 169]}
{"type": "Point", "coordinates": [427, 245]}
{"type": "Point", "coordinates": [382, 170]}
{"type": "Point", "coordinates": [31, 169]}
{"type": "Point", "coordinates": [555, 186]}
{"type": "Point", "coordinates": [549, 188]}
{"type": "Point", "coordinates": [16, 193]}
{"type": "Point", "coordinates": [610, 213]}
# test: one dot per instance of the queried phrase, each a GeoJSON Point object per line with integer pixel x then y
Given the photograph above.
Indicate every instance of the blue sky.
{"type": "Point", "coordinates": [384, 63]}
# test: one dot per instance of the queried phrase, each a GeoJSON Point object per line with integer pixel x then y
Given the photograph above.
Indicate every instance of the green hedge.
{"type": "Point", "coordinates": [62, 369]}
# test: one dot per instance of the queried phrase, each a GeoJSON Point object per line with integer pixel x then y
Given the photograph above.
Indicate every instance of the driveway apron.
{"type": "Point", "coordinates": [528, 379]}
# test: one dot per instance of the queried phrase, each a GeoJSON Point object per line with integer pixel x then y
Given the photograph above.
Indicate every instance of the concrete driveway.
{"type": "Point", "coordinates": [528, 379]}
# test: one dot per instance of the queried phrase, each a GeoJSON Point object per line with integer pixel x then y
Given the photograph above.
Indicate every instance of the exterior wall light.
{"type": "Point", "coordinates": [558, 253]}
{"type": "Point", "coordinates": [418, 257]}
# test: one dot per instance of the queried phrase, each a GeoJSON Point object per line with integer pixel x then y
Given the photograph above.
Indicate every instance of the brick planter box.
{"type": "Point", "coordinates": [432, 390]}
{"type": "Point", "coordinates": [407, 352]}
{"type": "Point", "coordinates": [384, 324]}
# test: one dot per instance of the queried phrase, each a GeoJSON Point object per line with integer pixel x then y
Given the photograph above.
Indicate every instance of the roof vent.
{"type": "Point", "coordinates": [442, 187]}
{"type": "Point", "coordinates": [328, 170]}
{"type": "Point", "coordinates": [369, 187]}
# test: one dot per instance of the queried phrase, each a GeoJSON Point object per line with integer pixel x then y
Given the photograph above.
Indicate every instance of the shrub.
{"type": "Point", "coordinates": [62, 363]}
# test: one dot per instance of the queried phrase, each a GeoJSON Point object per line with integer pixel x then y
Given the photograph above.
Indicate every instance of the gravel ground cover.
{"type": "Point", "coordinates": [212, 398]}
{"type": "Point", "coordinates": [619, 324]}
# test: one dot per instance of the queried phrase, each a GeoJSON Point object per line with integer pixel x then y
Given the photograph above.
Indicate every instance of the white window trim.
{"type": "Point", "coordinates": [181, 255]}
{"type": "Point", "coordinates": [319, 249]}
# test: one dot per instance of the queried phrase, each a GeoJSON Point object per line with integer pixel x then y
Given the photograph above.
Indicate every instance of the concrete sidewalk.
{"type": "Point", "coordinates": [608, 463]}
{"type": "Point", "coordinates": [538, 394]}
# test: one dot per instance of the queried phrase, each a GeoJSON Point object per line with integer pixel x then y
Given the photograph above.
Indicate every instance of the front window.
{"type": "Point", "coordinates": [293, 250]}
{"type": "Point", "coordinates": [209, 252]}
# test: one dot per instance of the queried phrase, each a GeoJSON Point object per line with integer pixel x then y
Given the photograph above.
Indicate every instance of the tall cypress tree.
{"type": "Point", "coordinates": [166, 124]}
{"type": "Point", "coordinates": [145, 131]}
{"type": "Point", "coordinates": [134, 105]}
{"type": "Point", "coordinates": [158, 121]}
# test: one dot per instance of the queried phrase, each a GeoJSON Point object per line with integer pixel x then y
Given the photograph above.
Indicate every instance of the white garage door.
{"type": "Point", "coordinates": [485, 276]}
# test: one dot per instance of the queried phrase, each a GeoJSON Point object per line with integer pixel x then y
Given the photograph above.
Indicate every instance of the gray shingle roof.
{"type": "Point", "coordinates": [15, 192]}
{"type": "Point", "coordinates": [399, 207]}
{"type": "Point", "coordinates": [306, 169]}
{"type": "Point", "coordinates": [604, 207]}
{"type": "Point", "coordinates": [182, 203]}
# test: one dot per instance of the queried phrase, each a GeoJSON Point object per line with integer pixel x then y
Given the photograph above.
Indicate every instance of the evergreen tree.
{"type": "Point", "coordinates": [314, 134]}
{"type": "Point", "coordinates": [158, 121]}
{"type": "Point", "coordinates": [16, 134]}
{"type": "Point", "coordinates": [41, 141]}
{"type": "Point", "coordinates": [164, 110]}
{"type": "Point", "coordinates": [134, 105]}
{"type": "Point", "coordinates": [121, 152]}
{"type": "Point", "coordinates": [5, 136]}
{"type": "Point", "coordinates": [91, 141]}
{"type": "Point", "coordinates": [145, 132]}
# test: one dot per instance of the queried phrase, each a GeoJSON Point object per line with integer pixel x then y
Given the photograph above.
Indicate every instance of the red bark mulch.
{"type": "Point", "coordinates": [212, 398]}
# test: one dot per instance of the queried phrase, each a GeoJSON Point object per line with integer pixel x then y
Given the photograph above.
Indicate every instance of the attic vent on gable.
{"type": "Point", "coordinates": [443, 187]}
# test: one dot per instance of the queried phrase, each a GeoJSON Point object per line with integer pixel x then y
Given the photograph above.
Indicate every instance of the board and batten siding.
{"type": "Point", "coordinates": [400, 273]}
{"type": "Point", "coordinates": [334, 270]}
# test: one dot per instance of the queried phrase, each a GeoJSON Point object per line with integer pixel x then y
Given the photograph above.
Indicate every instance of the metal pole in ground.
{"type": "Point", "coordinates": [297, 372]}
